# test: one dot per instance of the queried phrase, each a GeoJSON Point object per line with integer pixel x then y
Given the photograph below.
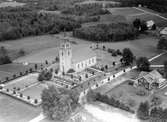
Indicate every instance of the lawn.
{"type": "Point", "coordinates": [160, 60]}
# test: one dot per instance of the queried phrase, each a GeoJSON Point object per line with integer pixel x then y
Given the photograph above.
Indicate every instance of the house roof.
{"type": "Point", "coordinates": [150, 23]}
{"type": "Point", "coordinates": [153, 76]}
{"type": "Point", "coordinates": [82, 53]}
{"type": "Point", "coordinates": [164, 31]}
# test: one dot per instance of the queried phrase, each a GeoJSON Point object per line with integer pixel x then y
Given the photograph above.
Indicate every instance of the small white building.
{"type": "Point", "coordinates": [150, 24]}
{"type": "Point", "coordinates": [76, 60]}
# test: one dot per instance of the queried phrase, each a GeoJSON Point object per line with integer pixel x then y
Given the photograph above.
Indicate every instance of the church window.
{"type": "Point", "coordinates": [67, 45]}
{"type": "Point", "coordinates": [78, 65]}
{"type": "Point", "coordinates": [62, 53]}
{"type": "Point", "coordinates": [68, 52]}
{"type": "Point", "coordinates": [89, 61]}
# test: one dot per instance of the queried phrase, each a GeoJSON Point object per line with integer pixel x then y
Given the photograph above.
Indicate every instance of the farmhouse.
{"type": "Point", "coordinates": [151, 80]}
{"type": "Point", "coordinates": [75, 60]}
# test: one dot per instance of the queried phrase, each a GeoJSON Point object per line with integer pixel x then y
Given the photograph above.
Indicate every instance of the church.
{"type": "Point", "coordinates": [76, 60]}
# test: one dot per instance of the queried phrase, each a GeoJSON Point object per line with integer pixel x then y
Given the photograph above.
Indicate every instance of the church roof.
{"type": "Point", "coordinates": [80, 53]}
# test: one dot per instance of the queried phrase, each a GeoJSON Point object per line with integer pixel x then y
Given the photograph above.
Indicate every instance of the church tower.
{"type": "Point", "coordinates": [65, 56]}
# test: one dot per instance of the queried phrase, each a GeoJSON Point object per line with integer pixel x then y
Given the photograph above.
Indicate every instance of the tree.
{"type": "Point", "coordinates": [45, 75]}
{"type": "Point", "coordinates": [143, 111]}
{"type": "Point", "coordinates": [137, 23]}
{"type": "Point", "coordinates": [143, 64]}
{"type": "Point", "coordinates": [59, 103]}
{"type": "Point", "coordinates": [91, 96]}
{"type": "Point", "coordinates": [127, 56]}
{"type": "Point", "coordinates": [162, 44]}
{"type": "Point", "coordinates": [21, 52]}
{"type": "Point", "coordinates": [165, 69]}
{"type": "Point", "coordinates": [143, 26]}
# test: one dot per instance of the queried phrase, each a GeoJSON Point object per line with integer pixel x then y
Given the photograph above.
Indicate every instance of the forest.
{"type": "Point", "coordinates": [107, 32]}
{"type": "Point", "coordinates": [87, 10]}
{"type": "Point", "coordinates": [21, 22]}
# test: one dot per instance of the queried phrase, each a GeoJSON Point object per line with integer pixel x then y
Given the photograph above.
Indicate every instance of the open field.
{"type": "Point", "coordinates": [159, 21]}
{"type": "Point", "coordinates": [125, 11]}
{"type": "Point", "coordinates": [8, 70]}
{"type": "Point", "coordinates": [144, 46]}
{"type": "Point", "coordinates": [160, 60]}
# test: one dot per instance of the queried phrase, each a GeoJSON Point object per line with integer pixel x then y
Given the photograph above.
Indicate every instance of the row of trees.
{"type": "Point", "coordinates": [107, 32]}
{"type": "Point", "coordinates": [4, 58]}
{"type": "Point", "coordinates": [87, 9]}
{"type": "Point", "coordinates": [20, 22]}
{"type": "Point", "coordinates": [93, 96]}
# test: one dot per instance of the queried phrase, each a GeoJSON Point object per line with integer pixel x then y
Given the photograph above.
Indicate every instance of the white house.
{"type": "Point", "coordinates": [76, 60]}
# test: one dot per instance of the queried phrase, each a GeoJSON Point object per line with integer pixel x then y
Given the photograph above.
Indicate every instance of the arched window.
{"type": "Point", "coordinates": [68, 52]}
{"type": "Point", "coordinates": [62, 53]}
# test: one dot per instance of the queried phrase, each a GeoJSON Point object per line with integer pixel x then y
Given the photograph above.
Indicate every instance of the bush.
{"type": "Point", "coordinates": [21, 95]}
{"type": "Point", "coordinates": [14, 92]}
{"type": "Point", "coordinates": [35, 101]}
{"type": "Point", "coordinates": [28, 97]}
